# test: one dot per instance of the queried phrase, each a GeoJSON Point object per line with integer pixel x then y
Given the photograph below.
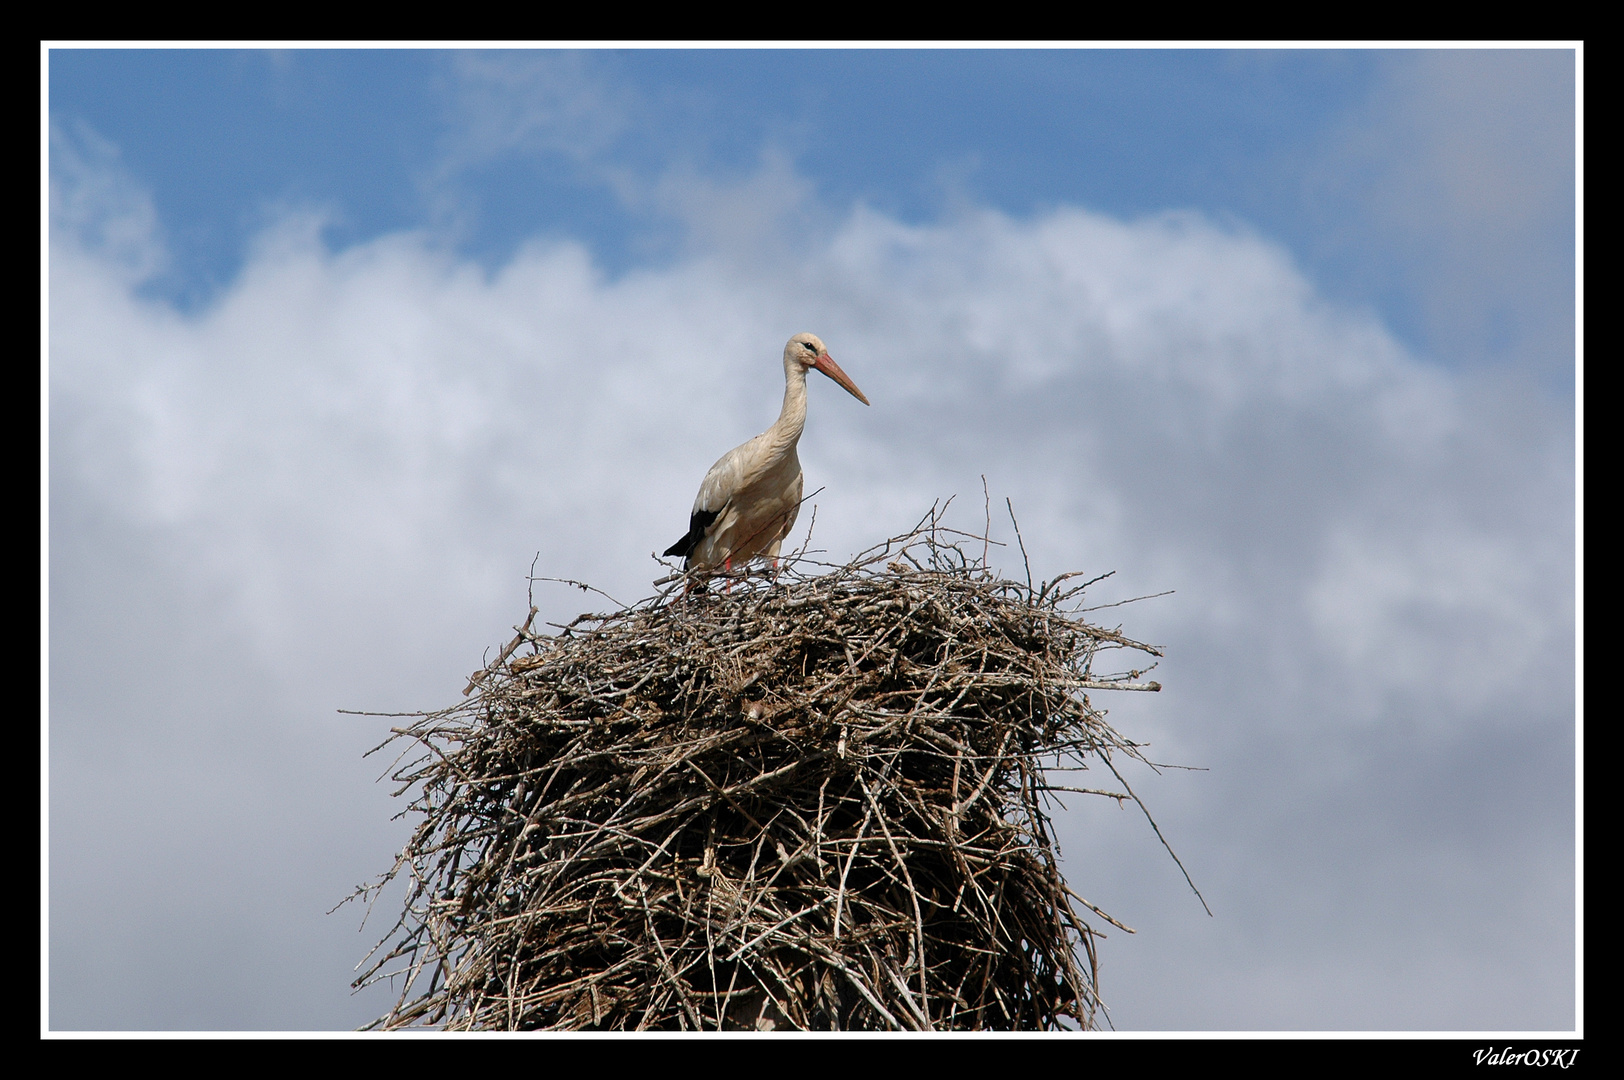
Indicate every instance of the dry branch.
{"type": "Point", "coordinates": [815, 800]}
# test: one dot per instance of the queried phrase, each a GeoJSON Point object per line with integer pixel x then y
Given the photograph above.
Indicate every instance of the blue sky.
{"type": "Point", "coordinates": [220, 135]}
{"type": "Point", "coordinates": [340, 340]}
{"type": "Point", "coordinates": [1298, 144]}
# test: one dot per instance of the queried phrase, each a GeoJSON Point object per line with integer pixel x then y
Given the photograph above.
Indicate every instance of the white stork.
{"type": "Point", "coordinates": [750, 497]}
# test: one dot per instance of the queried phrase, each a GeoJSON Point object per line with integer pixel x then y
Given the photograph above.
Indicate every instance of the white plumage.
{"type": "Point", "coordinates": [749, 499]}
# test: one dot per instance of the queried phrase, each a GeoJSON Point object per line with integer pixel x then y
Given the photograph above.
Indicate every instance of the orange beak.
{"type": "Point", "coordinates": [826, 364]}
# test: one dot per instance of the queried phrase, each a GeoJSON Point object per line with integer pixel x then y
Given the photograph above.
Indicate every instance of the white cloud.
{"type": "Point", "coordinates": [532, 102]}
{"type": "Point", "coordinates": [98, 204]}
{"type": "Point", "coordinates": [349, 460]}
{"type": "Point", "coordinates": [1461, 614]}
{"type": "Point", "coordinates": [506, 106]}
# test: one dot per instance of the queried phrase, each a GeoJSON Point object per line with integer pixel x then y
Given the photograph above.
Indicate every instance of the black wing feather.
{"type": "Point", "coordinates": [697, 525]}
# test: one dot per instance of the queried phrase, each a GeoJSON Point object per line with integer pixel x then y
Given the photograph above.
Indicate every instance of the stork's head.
{"type": "Point", "coordinates": [807, 351]}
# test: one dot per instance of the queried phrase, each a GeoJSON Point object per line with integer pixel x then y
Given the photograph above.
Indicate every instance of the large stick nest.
{"type": "Point", "coordinates": [817, 801]}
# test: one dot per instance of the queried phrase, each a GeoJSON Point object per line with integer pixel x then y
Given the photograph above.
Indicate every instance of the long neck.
{"type": "Point", "coordinates": [793, 416]}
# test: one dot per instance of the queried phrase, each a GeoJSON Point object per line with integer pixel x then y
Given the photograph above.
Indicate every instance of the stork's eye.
{"type": "Point", "coordinates": [808, 346]}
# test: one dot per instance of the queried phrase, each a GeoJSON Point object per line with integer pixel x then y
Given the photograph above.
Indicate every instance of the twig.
{"type": "Point", "coordinates": [1020, 541]}
{"type": "Point", "coordinates": [479, 675]}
